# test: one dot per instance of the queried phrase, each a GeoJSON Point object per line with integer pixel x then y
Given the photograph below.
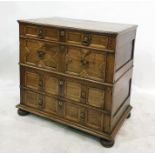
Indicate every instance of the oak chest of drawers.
{"type": "Point", "coordinates": [77, 73]}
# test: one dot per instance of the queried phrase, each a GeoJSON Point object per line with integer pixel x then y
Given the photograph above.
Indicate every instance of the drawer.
{"type": "Point", "coordinates": [76, 61]}
{"type": "Point", "coordinates": [40, 32]}
{"type": "Point", "coordinates": [84, 116]}
{"type": "Point", "coordinates": [87, 39]}
{"type": "Point", "coordinates": [71, 89]}
{"type": "Point", "coordinates": [40, 54]}
{"type": "Point", "coordinates": [72, 112]}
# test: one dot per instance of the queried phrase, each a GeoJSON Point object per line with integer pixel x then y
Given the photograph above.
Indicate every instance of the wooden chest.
{"type": "Point", "coordinates": [77, 72]}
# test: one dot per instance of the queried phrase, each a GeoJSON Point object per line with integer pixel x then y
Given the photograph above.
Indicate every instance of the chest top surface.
{"type": "Point", "coordinates": [104, 27]}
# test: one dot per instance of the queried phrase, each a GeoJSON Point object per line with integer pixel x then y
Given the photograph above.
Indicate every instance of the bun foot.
{"type": "Point", "coordinates": [129, 115]}
{"type": "Point", "coordinates": [22, 112]}
{"type": "Point", "coordinates": [107, 143]}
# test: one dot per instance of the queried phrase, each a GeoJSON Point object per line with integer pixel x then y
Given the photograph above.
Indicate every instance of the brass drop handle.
{"type": "Point", "coordinates": [84, 62]}
{"type": "Point", "coordinates": [61, 83]}
{"type": "Point", "coordinates": [41, 33]}
{"type": "Point", "coordinates": [82, 115]}
{"type": "Point", "coordinates": [40, 102]}
{"type": "Point", "coordinates": [86, 40]}
{"type": "Point", "coordinates": [62, 33]}
{"type": "Point", "coordinates": [60, 103]}
{"type": "Point", "coordinates": [41, 54]}
{"type": "Point", "coordinates": [40, 83]}
{"type": "Point", "coordinates": [83, 94]}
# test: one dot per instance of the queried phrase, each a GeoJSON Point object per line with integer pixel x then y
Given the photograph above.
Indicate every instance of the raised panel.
{"type": "Point", "coordinates": [40, 54]}
{"type": "Point", "coordinates": [48, 33]}
{"type": "Point", "coordinates": [94, 40]}
{"type": "Point", "coordinates": [72, 59]}
{"type": "Point", "coordinates": [94, 119]}
{"type": "Point", "coordinates": [122, 89]}
{"type": "Point", "coordinates": [96, 97]}
{"type": "Point", "coordinates": [50, 105]}
{"type": "Point", "coordinates": [96, 69]}
{"type": "Point", "coordinates": [31, 80]}
{"type": "Point", "coordinates": [73, 90]}
{"type": "Point", "coordinates": [99, 41]}
{"type": "Point", "coordinates": [72, 112]}
{"type": "Point", "coordinates": [51, 84]}
{"type": "Point", "coordinates": [73, 37]}
{"type": "Point", "coordinates": [51, 34]}
{"type": "Point", "coordinates": [31, 30]}
{"type": "Point", "coordinates": [31, 99]}
{"type": "Point", "coordinates": [85, 63]}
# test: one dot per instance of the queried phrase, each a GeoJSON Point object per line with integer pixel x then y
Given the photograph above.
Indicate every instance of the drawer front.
{"type": "Point", "coordinates": [85, 63]}
{"type": "Point", "coordinates": [70, 89]}
{"type": "Point", "coordinates": [84, 116]}
{"type": "Point", "coordinates": [87, 39]}
{"type": "Point", "coordinates": [72, 112]}
{"type": "Point", "coordinates": [39, 54]}
{"type": "Point", "coordinates": [40, 32]}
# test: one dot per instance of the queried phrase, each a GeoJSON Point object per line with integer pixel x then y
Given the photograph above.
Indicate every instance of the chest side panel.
{"type": "Point", "coordinates": [124, 49]}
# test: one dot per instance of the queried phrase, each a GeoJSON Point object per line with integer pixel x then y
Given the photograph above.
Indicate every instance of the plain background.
{"type": "Point", "coordinates": [143, 89]}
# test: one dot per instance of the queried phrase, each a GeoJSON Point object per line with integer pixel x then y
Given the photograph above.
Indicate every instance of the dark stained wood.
{"type": "Point", "coordinates": [78, 73]}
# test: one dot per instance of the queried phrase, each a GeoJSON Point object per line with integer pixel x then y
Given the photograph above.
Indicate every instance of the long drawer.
{"type": "Point", "coordinates": [67, 110]}
{"type": "Point", "coordinates": [75, 37]}
{"type": "Point", "coordinates": [71, 89]}
{"type": "Point", "coordinates": [75, 61]}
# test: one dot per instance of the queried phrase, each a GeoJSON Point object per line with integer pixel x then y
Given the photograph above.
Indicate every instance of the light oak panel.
{"type": "Point", "coordinates": [51, 84]}
{"type": "Point", "coordinates": [94, 40]}
{"type": "Point", "coordinates": [36, 31]}
{"type": "Point", "coordinates": [95, 119]}
{"type": "Point", "coordinates": [31, 99]}
{"type": "Point", "coordinates": [96, 97]}
{"type": "Point", "coordinates": [32, 80]}
{"type": "Point", "coordinates": [72, 90]}
{"type": "Point", "coordinates": [50, 105]}
{"type": "Point", "coordinates": [72, 112]}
